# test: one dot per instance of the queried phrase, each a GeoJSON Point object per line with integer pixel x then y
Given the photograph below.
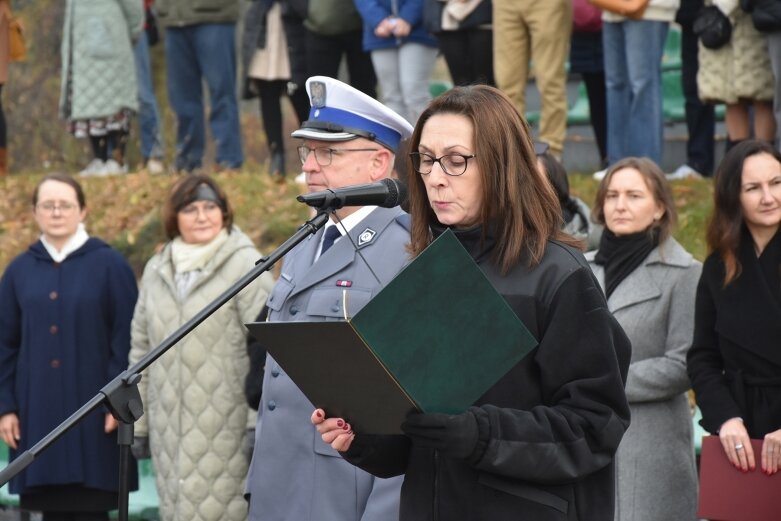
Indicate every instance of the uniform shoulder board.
{"type": "Point", "coordinates": [405, 221]}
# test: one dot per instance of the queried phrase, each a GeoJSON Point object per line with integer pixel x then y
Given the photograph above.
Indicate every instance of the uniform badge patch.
{"type": "Point", "coordinates": [366, 236]}
{"type": "Point", "coordinates": [317, 93]}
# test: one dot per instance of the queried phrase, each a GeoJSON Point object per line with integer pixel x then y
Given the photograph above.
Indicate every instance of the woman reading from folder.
{"type": "Point", "coordinates": [735, 360]}
{"type": "Point", "coordinates": [540, 442]}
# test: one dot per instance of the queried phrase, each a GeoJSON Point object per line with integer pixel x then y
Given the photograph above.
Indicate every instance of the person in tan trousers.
{"type": "Point", "coordinates": [527, 31]}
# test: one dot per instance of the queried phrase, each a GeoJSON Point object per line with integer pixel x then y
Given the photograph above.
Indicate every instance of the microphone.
{"type": "Point", "coordinates": [386, 193]}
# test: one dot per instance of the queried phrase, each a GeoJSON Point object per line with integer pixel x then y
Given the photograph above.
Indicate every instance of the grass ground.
{"type": "Point", "coordinates": [693, 201]}
{"type": "Point", "coordinates": [125, 211]}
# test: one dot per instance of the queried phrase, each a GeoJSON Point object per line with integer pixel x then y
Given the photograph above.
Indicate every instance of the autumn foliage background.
{"type": "Point", "coordinates": [125, 210]}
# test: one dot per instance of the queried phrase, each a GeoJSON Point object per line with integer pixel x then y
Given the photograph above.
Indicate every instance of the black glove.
{"type": "Point", "coordinates": [248, 445]}
{"type": "Point", "coordinates": [453, 435]}
{"type": "Point", "coordinates": [140, 448]}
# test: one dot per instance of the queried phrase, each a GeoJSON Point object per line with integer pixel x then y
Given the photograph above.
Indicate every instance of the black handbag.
{"type": "Point", "coordinates": [152, 31]}
{"type": "Point", "coordinates": [767, 15]}
{"type": "Point", "coordinates": [712, 27]}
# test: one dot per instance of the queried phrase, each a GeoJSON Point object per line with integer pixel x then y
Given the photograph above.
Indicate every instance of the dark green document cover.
{"type": "Point", "coordinates": [434, 339]}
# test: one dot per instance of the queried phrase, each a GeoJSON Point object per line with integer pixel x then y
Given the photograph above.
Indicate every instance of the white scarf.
{"type": "Point", "coordinates": [456, 11]}
{"type": "Point", "coordinates": [75, 242]}
{"type": "Point", "coordinates": [189, 259]}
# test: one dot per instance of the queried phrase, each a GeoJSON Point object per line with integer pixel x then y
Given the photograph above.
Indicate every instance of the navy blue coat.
{"type": "Point", "coordinates": [374, 11]}
{"type": "Point", "coordinates": [64, 333]}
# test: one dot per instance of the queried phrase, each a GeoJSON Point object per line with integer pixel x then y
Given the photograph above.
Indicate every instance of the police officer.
{"type": "Point", "coordinates": [348, 139]}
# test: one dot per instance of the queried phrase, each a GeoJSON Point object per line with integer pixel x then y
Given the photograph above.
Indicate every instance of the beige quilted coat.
{"type": "Point", "coordinates": [739, 70]}
{"type": "Point", "coordinates": [196, 415]}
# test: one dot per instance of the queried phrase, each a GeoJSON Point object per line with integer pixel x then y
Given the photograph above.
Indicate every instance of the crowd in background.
{"type": "Point", "coordinates": [495, 42]}
{"type": "Point", "coordinates": [71, 302]}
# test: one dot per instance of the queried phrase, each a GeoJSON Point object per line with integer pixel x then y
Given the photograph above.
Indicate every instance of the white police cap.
{"type": "Point", "coordinates": [340, 112]}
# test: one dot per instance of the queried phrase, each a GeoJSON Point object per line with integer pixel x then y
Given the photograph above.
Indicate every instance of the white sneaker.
{"type": "Point", "coordinates": [112, 167]}
{"type": "Point", "coordinates": [599, 175]}
{"type": "Point", "coordinates": [94, 168]}
{"type": "Point", "coordinates": [684, 172]}
{"type": "Point", "coordinates": [155, 167]}
{"type": "Point", "coordinates": [301, 178]}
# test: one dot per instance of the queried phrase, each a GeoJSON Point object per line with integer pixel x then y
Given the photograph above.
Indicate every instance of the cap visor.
{"type": "Point", "coordinates": [322, 135]}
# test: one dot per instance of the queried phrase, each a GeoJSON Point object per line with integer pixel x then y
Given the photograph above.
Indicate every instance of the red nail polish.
{"type": "Point", "coordinates": [346, 426]}
{"type": "Point", "coordinates": [319, 414]}
{"type": "Point", "coordinates": [339, 423]}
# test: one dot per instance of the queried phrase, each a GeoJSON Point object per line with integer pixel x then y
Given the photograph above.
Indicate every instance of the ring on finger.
{"type": "Point", "coordinates": [739, 446]}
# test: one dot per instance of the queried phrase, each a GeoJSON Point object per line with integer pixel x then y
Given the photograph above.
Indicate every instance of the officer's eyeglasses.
{"type": "Point", "coordinates": [324, 155]}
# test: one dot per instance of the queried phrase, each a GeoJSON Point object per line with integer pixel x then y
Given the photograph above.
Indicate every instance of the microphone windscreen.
{"type": "Point", "coordinates": [397, 192]}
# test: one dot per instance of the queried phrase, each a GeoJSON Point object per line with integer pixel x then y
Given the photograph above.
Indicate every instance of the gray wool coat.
{"type": "Point", "coordinates": [656, 477]}
{"type": "Point", "coordinates": [98, 76]}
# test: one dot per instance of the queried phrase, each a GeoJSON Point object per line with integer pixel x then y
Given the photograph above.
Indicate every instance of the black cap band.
{"type": "Point", "coordinates": [204, 192]}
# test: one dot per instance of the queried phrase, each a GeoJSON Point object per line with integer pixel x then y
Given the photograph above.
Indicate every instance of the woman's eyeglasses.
{"type": "Point", "coordinates": [51, 207]}
{"type": "Point", "coordinates": [452, 164]}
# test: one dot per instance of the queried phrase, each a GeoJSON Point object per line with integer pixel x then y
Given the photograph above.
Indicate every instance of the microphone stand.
{"type": "Point", "coordinates": [121, 394]}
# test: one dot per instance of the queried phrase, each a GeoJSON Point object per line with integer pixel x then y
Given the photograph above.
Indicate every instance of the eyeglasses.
{"type": "Point", "coordinates": [51, 207]}
{"type": "Point", "coordinates": [324, 155]}
{"type": "Point", "coordinates": [452, 164]}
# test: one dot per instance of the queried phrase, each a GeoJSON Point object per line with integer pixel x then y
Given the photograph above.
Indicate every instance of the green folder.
{"type": "Point", "coordinates": [435, 339]}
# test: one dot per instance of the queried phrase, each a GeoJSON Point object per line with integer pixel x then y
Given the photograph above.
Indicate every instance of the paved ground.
{"type": "Point", "coordinates": [15, 515]}
{"type": "Point", "coordinates": [580, 149]}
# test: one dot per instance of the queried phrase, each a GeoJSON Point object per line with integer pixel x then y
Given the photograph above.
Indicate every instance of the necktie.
{"type": "Point", "coordinates": [331, 234]}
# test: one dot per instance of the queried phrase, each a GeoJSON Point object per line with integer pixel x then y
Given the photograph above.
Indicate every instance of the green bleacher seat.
{"type": "Point", "coordinates": [6, 498]}
{"type": "Point", "coordinates": [437, 87]}
{"type": "Point", "coordinates": [699, 432]}
{"type": "Point", "coordinates": [674, 103]}
{"type": "Point", "coordinates": [671, 57]}
{"type": "Point", "coordinates": [580, 113]}
{"type": "Point", "coordinates": [142, 503]}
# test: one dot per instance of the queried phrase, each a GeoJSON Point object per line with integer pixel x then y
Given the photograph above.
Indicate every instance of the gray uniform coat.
{"type": "Point", "coordinates": [656, 478]}
{"type": "Point", "coordinates": [294, 475]}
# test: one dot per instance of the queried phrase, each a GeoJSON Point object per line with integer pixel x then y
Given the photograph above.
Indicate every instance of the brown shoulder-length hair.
{"type": "Point", "coordinates": [182, 193]}
{"type": "Point", "coordinates": [658, 185]}
{"type": "Point", "coordinates": [727, 222]}
{"type": "Point", "coordinates": [518, 203]}
{"type": "Point", "coordinates": [61, 178]}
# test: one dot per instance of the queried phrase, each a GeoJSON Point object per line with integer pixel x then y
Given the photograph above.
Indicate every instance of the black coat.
{"type": "Point", "coordinates": [735, 360]}
{"type": "Point", "coordinates": [548, 429]}
{"type": "Point", "coordinates": [688, 10]}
